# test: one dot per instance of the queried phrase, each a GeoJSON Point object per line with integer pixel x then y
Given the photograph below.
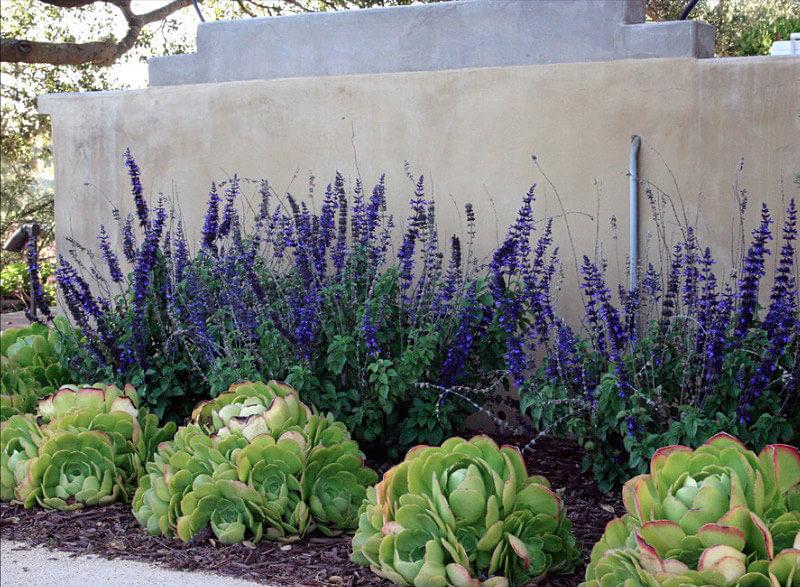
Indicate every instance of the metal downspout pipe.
{"type": "Point", "coordinates": [633, 211]}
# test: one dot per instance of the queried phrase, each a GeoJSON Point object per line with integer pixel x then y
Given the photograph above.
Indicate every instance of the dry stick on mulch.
{"type": "Point", "coordinates": [112, 532]}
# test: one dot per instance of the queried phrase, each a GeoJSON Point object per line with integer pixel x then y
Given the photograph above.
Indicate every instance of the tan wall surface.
{"type": "Point", "coordinates": [471, 132]}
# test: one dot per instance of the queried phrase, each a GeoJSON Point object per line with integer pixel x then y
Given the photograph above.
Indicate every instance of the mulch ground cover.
{"type": "Point", "coordinates": [112, 532]}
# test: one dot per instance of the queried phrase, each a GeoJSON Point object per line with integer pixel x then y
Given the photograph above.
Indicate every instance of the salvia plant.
{"type": "Point", "coordinates": [255, 462]}
{"type": "Point", "coordinates": [31, 367]}
{"type": "Point", "coordinates": [310, 292]}
{"type": "Point", "coordinates": [464, 513]}
{"type": "Point", "coordinates": [398, 343]}
{"type": "Point", "coordinates": [86, 445]}
{"type": "Point", "coordinates": [686, 354]}
{"type": "Point", "coordinates": [718, 515]}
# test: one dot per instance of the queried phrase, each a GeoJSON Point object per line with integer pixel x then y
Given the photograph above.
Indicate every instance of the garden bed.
{"type": "Point", "coordinates": [112, 532]}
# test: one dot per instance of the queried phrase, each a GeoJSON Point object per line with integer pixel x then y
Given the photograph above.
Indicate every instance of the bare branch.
{"type": "Point", "coordinates": [163, 12]}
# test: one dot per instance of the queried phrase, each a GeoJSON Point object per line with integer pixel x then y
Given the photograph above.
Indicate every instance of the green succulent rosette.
{"type": "Point", "coordinates": [718, 515]}
{"type": "Point", "coordinates": [133, 431]}
{"type": "Point", "coordinates": [334, 486]}
{"type": "Point", "coordinates": [466, 510]}
{"type": "Point", "coordinates": [20, 437]}
{"type": "Point", "coordinates": [303, 467]}
{"type": "Point", "coordinates": [232, 409]}
{"type": "Point", "coordinates": [30, 367]}
{"type": "Point", "coordinates": [71, 471]}
{"type": "Point", "coordinates": [274, 469]}
{"type": "Point", "coordinates": [232, 509]}
{"type": "Point", "coordinates": [171, 473]}
{"type": "Point", "coordinates": [125, 434]}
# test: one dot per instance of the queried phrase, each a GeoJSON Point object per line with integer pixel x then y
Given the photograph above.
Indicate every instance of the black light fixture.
{"type": "Point", "coordinates": [16, 244]}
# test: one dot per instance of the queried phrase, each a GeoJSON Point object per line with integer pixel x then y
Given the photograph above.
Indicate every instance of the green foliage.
{"type": "Point", "coordinates": [743, 27]}
{"type": "Point", "coordinates": [90, 448]}
{"type": "Point", "coordinates": [456, 514]}
{"type": "Point", "coordinates": [15, 281]}
{"type": "Point", "coordinates": [256, 462]}
{"type": "Point", "coordinates": [661, 403]}
{"type": "Point", "coordinates": [718, 515]}
{"type": "Point", "coordinates": [31, 366]}
{"type": "Point", "coordinates": [379, 398]}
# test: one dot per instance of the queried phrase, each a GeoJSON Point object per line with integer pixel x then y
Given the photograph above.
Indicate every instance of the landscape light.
{"type": "Point", "coordinates": [16, 244]}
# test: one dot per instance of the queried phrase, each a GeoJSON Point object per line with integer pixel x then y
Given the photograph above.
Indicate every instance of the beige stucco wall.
{"type": "Point", "coordinates": [471, 132]}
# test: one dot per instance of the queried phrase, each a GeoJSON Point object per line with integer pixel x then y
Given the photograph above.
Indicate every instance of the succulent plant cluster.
{"type": "Point", "coordinates": [30, 368]}
{"type": "Point", "coordinates": [466, 510]}
{"type": "Point", "coordinates": [719, 515]}
{"type": "Point", "coordinates": [86, 445]}
{"type": "Point", "coordinates": [255, 462]}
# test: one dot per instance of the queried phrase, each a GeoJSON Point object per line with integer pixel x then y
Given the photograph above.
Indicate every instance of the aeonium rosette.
{"type": "Point", "coordinates": [72, 470]}
{"type": "Point", "coordinates": [133, 431]}
{"type": "Point", "coordinates": [717, 515]}
{"type": "Point", "coordinates": [243, 402]}
{"type": "Point", "coordinates": [50, 459]}
{"type": "Point", "coordinates": [257, 463]}
{"type": "Point", "coordinates": [466, 510]}
{"type": "Point", "coordinates": [20, 437]}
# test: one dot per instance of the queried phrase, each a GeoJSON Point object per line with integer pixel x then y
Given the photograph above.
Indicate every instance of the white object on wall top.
{"type": "Point", "coordinates": [790, 47]}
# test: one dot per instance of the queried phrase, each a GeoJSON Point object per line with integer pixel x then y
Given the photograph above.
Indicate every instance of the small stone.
{"type": "Point", "coordinates": [335, 580]}
{"type": "Point", "coordinates": [286, 547]}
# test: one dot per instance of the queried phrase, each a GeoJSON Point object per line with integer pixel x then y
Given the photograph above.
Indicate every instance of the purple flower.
{"type": "Point", "coordinates": [690, 271]}
{"type": "Point", "coordinates": [565, 364]}
{"type": "Point", "coordinates": [307, 322]}
{"type": "Point", "coordinates": [181, 252]}
{"type": "Point", "coordinates": [708, 301]}
{"type": "Point", "coordinates": [370, 331]}
{"type": "Point", "coordinates": [129, 245]}
{"type": "Point", "coordinates": [229, 212]}
{"type": "Point", "coordinates": [592, 306]}
{"type": "Point", "coordinates": [375, 207]}
{"type": "Point", "coordinates": [359, 221]}
{"type": "Point", "coordinates": [142, 277]}
{"type": "Point", "coordinates": [460, 347]}
{"type": "Point", "coordinates": [452, 279]}
{"type": "Point", "coordinates": [340, 253]}
{"type": "Point", "coordinates": [136, 188]}
{"type": "Point", "coordinates": [211, 222]}
{"type": "Point", "coordinates": [752, 272]}
{"type": "Point", "coordinates": [669, 306]}
{"type": "Point", "coordinates": [109, 256]}
{"type": "Point", "coordinates": [783, 296]}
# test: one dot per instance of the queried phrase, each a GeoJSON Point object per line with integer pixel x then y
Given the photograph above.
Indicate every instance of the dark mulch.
{"type": "Point", "coordinates": [112, 532]}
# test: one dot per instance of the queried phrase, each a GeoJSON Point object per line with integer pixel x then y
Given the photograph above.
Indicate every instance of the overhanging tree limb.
{"type": "Point", "coordinates": [95, 52]}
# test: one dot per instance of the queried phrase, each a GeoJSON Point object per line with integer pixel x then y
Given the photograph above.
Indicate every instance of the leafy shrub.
{"type": "Point", "coordinates": [31, 366]}
{"type": "Point", "coordinates": [682, 357]}
{"type": "Point", "coordinates": [89, 449]}
{"type": "Point", "coordinates": [455, 514]}
{"type": "Point", "coordinates": [15, 281]}
{"type": "Point", "coordinates": [718, 515]}
{"type": "Point", "coordinates": [315, 299]}
{"type": "Point", "coordinates": [256, 462]}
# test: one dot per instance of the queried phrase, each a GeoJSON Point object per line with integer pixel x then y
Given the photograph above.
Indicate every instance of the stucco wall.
{"type": "Point", "coordinates": [471, 132]}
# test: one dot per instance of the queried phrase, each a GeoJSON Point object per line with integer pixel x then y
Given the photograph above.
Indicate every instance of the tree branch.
{"type": "Point", "coordinates": [95, 52]}
{"type": "Point", "coordinates": [69, 3]}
